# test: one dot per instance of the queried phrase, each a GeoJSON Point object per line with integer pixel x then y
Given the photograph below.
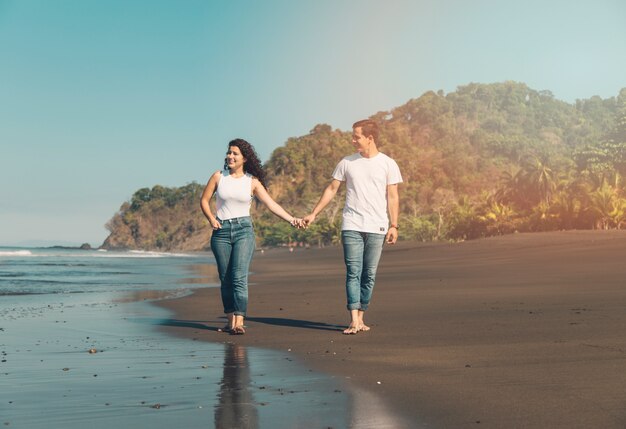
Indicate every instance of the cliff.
{"type": "Point", "coordinates": [167, 219]}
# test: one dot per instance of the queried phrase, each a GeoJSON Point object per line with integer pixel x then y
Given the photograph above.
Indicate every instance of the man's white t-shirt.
{"type": "Point", "coordinates": [366, 191]}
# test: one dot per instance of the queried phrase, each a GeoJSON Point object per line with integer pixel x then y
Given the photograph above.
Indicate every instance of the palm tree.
{"type": "Point", "coordinates": [540, 179]}
{"type": "Point", "coordinates": [511, 188]}
{"type": "Point", "coordinates": [566, 208]}
{"type": "Point", "coordinates": [499, 218]}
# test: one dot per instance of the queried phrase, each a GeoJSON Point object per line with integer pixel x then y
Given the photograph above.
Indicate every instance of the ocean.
{"type": "Point", "coordinates": [80, 347]}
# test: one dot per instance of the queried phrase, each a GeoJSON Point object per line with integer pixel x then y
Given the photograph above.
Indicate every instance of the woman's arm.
{"type": "Point", "coordinates": [261, 193]}
{"type": "Point", "coordinates": [209, 190]}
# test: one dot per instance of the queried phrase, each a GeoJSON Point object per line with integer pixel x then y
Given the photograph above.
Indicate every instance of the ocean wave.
{"type": "Point", "coordinates": [15, 253]}
{"type": "Point", "coordinates": [52, 292]}
{"type": "Point", "coordinates": [135, 254]}
{"type": "Point", "coordinates": [100, 253]}
{"type": "Point", "coordinates": [151, 254]}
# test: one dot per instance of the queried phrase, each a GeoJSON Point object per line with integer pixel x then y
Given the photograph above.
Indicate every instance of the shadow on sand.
{"type": "Point", "coordinates": [276, 321]}
{"type": "Point", "coordinates": [295, 323]}
{"type": "Point", "coordinates": [195, 324]}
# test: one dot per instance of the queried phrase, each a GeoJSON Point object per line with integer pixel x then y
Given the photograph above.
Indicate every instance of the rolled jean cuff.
{"type": "Point", "coordinates": [239, 313]}
{"type": "Point", "coordinates": [357, 306]}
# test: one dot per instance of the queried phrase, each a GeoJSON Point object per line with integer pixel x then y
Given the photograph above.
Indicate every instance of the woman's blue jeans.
{"type": "Point", "coordinates": [361, 253]}
{"type": "Point", "coordinates": [233, 246]}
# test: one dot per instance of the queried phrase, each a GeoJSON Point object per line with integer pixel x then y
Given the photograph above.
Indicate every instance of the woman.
{"type": "Point", "coordinates": [233, 240]}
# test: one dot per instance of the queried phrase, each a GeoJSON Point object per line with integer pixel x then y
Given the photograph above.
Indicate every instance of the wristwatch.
{"type": "Point", "coordinates": [394, 225]}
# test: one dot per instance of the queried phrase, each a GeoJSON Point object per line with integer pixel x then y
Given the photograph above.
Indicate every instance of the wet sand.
{"type": "Point", "coordinates": [96, 357]}
{"type": "Point", "coordinates": [78, 362]}
{"type": "Point", "coordinates": [520, 331]}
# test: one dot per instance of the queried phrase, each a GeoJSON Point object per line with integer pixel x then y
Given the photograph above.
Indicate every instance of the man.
{"type": "Point", "coordinates": [371, 191]}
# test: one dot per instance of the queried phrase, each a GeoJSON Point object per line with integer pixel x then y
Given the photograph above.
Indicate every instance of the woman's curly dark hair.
{"type": "Point", "coordinates": [253, 164]}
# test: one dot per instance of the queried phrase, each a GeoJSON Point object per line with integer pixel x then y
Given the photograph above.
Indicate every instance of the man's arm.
{"type": "Point", "coordinates": [327, 196]}
{"type": "Point", "coordinates": [393, 206]}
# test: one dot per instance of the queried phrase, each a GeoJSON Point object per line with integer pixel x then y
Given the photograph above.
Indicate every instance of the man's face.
{"type": "Point", "coordinates": [359, 141]}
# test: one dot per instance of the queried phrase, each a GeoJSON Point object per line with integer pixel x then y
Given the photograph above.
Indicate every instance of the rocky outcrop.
{"type": "Point", "coordinates": [164, 219]}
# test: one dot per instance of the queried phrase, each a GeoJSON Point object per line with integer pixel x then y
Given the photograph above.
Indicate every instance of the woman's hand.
{"type": "Point", "coordinates": [215, 224]}
{"type": "Point", "coordinates": [297, 223]}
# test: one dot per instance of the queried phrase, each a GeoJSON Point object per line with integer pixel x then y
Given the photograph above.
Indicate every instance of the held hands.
{"type": "Point", "coordinates": [308, 220]}
{"type": "Point", "coordinates": [302, 223]}
{"type": "Point", "coordinates": [305, 222]}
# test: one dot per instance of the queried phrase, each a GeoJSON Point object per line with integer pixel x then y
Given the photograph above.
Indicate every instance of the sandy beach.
{"type": "Point", "coordinates": [521, 331]}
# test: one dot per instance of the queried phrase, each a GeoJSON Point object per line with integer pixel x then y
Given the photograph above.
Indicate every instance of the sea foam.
{"type": "Point", "coordinates": [15, 253]}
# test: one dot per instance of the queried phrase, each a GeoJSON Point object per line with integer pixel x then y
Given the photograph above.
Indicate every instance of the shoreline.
{"type": "Point", "coordinates": [97, 356]}
{"type": "Point", "coordinates": [73, 362]}
{"type": "Point", "coordinates": [514, 331]}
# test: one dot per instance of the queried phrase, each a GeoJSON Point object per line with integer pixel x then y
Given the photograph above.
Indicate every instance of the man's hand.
{"type": "Point", "coordinates": [307, 220]}
{"type": "Point", "coordinates": [392, 235]}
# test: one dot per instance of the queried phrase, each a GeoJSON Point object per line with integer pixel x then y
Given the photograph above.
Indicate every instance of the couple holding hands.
{"type": "Point", "coordinates": [370, 218]}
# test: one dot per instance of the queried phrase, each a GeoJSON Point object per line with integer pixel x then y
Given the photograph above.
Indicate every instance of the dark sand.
{"type": "Point", "coordinates": [521, 331]}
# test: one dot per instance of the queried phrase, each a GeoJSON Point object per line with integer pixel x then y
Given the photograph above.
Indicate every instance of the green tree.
{"type": "Point", "coordinates": [463, 221]}
{"type": "Point", "coordinates": [608, 206]}
{"type": "Point", "coordinates": [419, 228]}
{"type": "Point", "coordinates": [499, 219]}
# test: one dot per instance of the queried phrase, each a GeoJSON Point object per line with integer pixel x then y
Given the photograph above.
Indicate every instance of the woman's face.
{"type": "Point", "coordinates": [234, 158]}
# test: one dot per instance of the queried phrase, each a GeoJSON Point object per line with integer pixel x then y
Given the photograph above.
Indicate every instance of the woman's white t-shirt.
{"type": "Point", "coordinates": [233, 196]}
{"type": "Point", "coordinates": [366, 191]}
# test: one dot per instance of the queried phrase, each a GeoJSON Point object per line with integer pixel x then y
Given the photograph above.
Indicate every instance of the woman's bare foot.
{"type": "Point", "coordinates": [238, 330]}
{"type": "Point", "coordinates": [351, 330]}
{"type": "Point", "coordinates": [237, 325]}
{"type": "Point", "coordinates": [364, 328]}
{"type": "Point", "coordinates": [230, 324]}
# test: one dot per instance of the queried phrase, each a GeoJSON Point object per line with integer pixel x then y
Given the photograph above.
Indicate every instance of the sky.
{"type": "Point", "coordinates": [101, 98]}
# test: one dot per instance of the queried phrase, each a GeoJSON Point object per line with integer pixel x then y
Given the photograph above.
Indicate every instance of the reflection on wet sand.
{"type": "Point", "coordinates": [147, 295]}
{"type": "Point", "coordinates": [205, 274]}
{"type": "Point", "coordinates": [235, 408]}
{"type": "Point", "coordinates": [370, 412]}
{"type": "Point", "coordinates": [202, 274]}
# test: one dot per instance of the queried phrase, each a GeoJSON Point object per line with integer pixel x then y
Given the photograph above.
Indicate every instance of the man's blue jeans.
{"type": "Point", "coordinates": [233, 246]}
{"type": "Point", "coordinates": [361, 252]}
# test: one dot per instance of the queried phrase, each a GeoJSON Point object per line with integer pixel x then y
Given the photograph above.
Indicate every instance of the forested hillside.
{"type": "Point", "coordinates": [486, 159]}
{"type": "Point", "coordinates": [160, 219]}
